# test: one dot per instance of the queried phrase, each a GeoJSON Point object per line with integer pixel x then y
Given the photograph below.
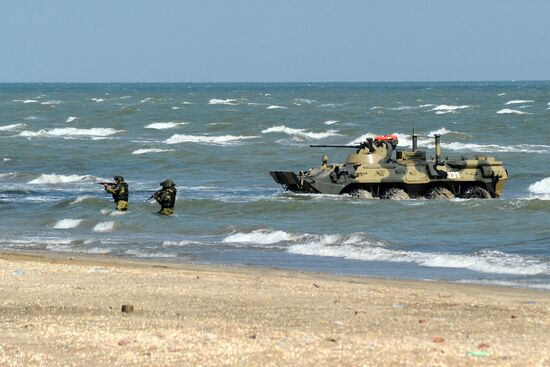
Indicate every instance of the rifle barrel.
{"type": "Point", "coordinates": [336, 146]}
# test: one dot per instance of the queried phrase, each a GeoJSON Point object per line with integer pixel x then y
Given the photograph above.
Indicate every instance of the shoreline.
{"type": "Point", "coordinates": [60, 310]}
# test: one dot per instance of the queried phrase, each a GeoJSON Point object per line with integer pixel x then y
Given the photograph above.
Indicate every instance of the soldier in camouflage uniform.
{"type": "Point", "coordinates": [166, 197]}
{"type": "Point", "coordinates": [120, 192]}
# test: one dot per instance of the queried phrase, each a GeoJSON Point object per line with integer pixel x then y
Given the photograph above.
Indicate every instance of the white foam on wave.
{"type": "Point", "coordinates": [228, 101]}
{"type": "Point", "coordinates": [165, 125]}
{"type": "Point", "coordinates": [53, 102]}
{"type": "Point", "coordinates": [487, 261]}
{"type": "Point", "coordinates": [513, 112]}
{"type": "Point", "coordinates": [501, 94]}
{"type": "Point", "coordinates": [104, 227]}
{"type": "Point", "coordinates": [71, 119]}
{"type": "Point", "coordinates": [67, 223]}
{"type": "Point", "coordinates": [275, 107]}
{"type": "Point", "coordinates": [300, 133]}
{"type": "Point", "coordinates": [443, 108]}
{"type": "Point", "coordinates": [205, 139]}
{"type": "Point", "coordinates": [12, 127]}
{"type": "Point", "coordinates": [143, 254]}
{"type": "Point", "coordinates": [261, 236]}
{"type": "Point", "coordinates": [151, 150]}
{"type": "Point", "coordinates": [55, 179]}
{"type": "Point", "coordinates": [97, 100]}
{"type": "Point", "coordinates": [541, 187]}
{"type": "Point", "coordinates": [360, 246]}
{"type": "Point", "coordinates": [26, 100]}
{"type": "Point", "coordinates": [330, 122]}
{"type": "Point", "coordinates": [81, 199]}
{"type": "Point", "coordinates": [72, 132]}
{"type": "Point", "coordinates": [426, 105]}
{"type": "Point", "coordinates": [494, 148]}
{"type": "Point", "coordinates": [519, 101]}
{"type": "Point", "coordinates": [300, 101]}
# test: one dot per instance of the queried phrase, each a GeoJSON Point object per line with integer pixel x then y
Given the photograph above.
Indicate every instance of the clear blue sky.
{"type": "Point", "coordinates": [273, 40]}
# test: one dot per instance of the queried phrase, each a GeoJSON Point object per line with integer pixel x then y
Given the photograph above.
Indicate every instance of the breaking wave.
{"type": "Point", "coordinates": [510, 111]}
{"type": "Point", "coordinates": [300, 133]}
{"type": "Point", "coordinates": [360, 246]}
{"type": "Point", "coordinates": [443, 109]}
{"type": "Point", "coordinates": [330, 122]}
{"type": "Point", "coordinates": [228, 101]}
{"type": "Point", "coordinates": [275, 107]}
{"type": "Point", "coordinates": [519, 101]}
{"type": "Point", "coordinates": [104, 227]}
{"type": "Point", "coordinates": [165, 125]}
{"type": "Point", "coordinates": [204, 139]}
{"type": "Point", "coordinates": [71, 132]}
{"type": "Point", "coordinates": [151, 150]}
{"type": "Point", "coordinates": [541, 189]}
{"type": "Point", "coordinates": [54, 179]}
{"type": "Point", "coordinates": [67, 223]}
{"type": "Point", "coordinates": [71, 119]}
{"type": "Point", "coordinates": [12, 127]}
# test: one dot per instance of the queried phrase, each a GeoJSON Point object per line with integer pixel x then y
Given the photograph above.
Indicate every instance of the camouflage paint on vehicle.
{"type": "Point", "coordinates": [378, 169]}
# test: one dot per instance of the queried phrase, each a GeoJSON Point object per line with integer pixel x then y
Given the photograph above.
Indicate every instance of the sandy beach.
{"type": "Point", "coordinates": [66, 311]}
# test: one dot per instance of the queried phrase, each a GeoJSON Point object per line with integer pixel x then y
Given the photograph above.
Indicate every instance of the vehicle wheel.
{"type": "Point", "coordinates": [439, 192]}
{"type": "Point", "coordinates": [361, 194]}
{"type": "Point", "coordinates": [395, 194]}
{"type": "Point", "coordinates": [476, 192]}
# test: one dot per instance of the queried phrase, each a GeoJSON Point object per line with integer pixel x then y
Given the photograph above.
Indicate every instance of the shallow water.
{"type": "Point", "coordinates": [219, 141]}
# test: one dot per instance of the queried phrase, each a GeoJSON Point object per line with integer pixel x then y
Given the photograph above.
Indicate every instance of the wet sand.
{"type": "Point", "coordinates": [66, 311]}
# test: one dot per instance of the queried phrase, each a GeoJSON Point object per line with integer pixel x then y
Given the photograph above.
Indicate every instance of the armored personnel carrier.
{"type": "Point", "coordinates": [378, 169]}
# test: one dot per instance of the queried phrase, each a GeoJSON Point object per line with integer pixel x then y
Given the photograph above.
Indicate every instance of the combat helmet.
{"type": "Point", "coordinates": [119, 178]}
{"type": "Point", "coordinates": [167, 183]}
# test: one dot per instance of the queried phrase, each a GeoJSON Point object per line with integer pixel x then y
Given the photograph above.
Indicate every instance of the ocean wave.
{"type": "Point", "coordinates": [71, 119]}
{"type": "Point", "coordinates": [228, 101]}
{"type": "Point", "coordinates": [330, 122]}
{"type": "Point", "coordinates": [204, 139]}
{"type": "Point", "coordinates": [144, 254]}
{"type": "Point", "coordinates": [104, 227]}
{"type": "Point", "coordinates": [510, 111]}
{"type": "Point", "coordinates": [12, 127]}
{"type": "Point", "coordinates": [300, 101]}
{"type": "Point", "coordinates": [151, 150]}
{"type": "Point", "coordinates": [541, 187]}
{"type": "Point", "coordinates": [494, 148]}
{"type": "Point", "coordinates": [426, 105]}
{"type": "Point", "coordinates": [97, 100]}
{"type": "Point", "coordinates": [165, 125]}
{"type": "Point", "coordinates": [443, 108]}
{"type": "Point", "coordinates": [53, 102]}
{"type": "Point", "coordinates": [71, 132]}
{"type": "Point", "coordinates": [300, 133]}
{"type": "Point", "coordinates": [26, 100]}
{"type": "Point", "coordinates": [360, 246]}
{"type": "Point", "coordinates": [487, 261]}
{"type": "Point", "coordinates": [54, 179]}
{"type": "Point", "coordinates": [67, 223]}
{"type": "Point", "coordinates": [519, 101]}
{"type": "Point", "coordinates": [81, 199]}
{"type": "Point", "coordinates": [275, 107]}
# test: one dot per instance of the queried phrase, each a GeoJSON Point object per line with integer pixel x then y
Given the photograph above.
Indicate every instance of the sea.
{"type": "Point", "coordinates": [218, 142]}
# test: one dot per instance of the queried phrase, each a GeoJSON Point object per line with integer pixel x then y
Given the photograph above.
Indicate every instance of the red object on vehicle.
{"type": "Point", "coordinates": [385, 138]}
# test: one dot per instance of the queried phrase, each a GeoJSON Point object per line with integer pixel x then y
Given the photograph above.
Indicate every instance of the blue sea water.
{"type": "Point", "coordinates": [218, 142]}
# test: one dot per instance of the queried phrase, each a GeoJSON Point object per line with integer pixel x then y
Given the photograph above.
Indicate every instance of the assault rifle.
{"type": "Point", "coordinates": [154, 195]}
{"type": "Point", "coordinates": [106, 183]}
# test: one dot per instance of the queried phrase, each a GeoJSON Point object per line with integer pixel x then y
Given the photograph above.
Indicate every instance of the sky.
{"type": "Point", "coordinates": [273, 40]}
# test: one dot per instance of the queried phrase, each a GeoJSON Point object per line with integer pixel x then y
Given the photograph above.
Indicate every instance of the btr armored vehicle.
{"type": "Point", "coordinates": [377, 169]}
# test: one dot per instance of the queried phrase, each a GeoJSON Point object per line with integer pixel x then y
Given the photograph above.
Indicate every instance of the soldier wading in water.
{"type": "Point", "coordinates": [166, 197]}
{"type": "Point", "coordinates": [120, 192]}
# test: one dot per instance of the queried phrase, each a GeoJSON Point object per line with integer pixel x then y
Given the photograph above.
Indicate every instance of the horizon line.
{"type": "Point", "coordinates": [278, 82]}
